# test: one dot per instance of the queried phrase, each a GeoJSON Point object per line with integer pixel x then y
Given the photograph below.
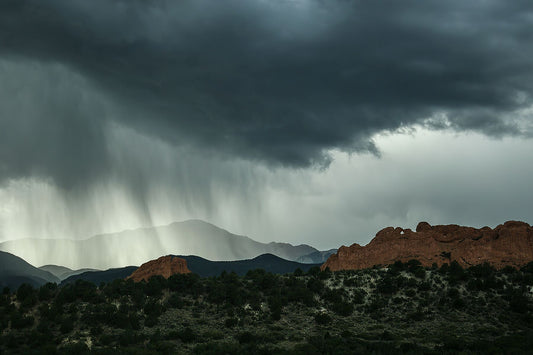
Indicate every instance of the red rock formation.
{"type": "Point", "coordinates": [164, 266]}
{"type": "Point", "coordinates": [508, 244]}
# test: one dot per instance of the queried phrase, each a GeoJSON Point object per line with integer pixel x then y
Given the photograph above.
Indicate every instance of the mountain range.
{"type": "Point", "coordinates": [14, 271]}
{"type": "Point", "coordinates": [509, 244]}
{"type": "Point", "coordinates": [98, 276]}
{"type": "Point", "coordinates": [62, 272]}
{"type": "Point", "coordinates": [204, 268]}
{"type": "Point", "coordinates": [134, 247]}
{"type": "Point", "coordinates": [268, 262]}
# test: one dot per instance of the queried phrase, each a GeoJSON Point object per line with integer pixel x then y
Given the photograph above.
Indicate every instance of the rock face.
{"type": "Point", "coordinates": [164, 266]}
{"type": "Point", "coordinates": [508, 244]}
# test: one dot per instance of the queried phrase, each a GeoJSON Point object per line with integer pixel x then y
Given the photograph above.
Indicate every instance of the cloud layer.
{"type": "Point", "coordinates": [118, 114]}
{"type": "Point", "coordinates": [279, 82]}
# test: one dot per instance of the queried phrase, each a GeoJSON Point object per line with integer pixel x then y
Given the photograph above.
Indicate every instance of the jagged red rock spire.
{"type": "Point", "coordinates": [508, 244]}
{"type": "Point", "coordinates": [165, 266]}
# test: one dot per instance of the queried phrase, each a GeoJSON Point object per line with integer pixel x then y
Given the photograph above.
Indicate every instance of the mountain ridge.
{"type": "Point", "coordinates": [203, 267]}
{"type": "Point", "coordinates": [133, 247]}
{"type": "Point", "coordinates": [14, 271]}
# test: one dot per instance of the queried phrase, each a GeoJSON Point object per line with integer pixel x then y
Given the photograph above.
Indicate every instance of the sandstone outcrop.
{"type": "Point", "coordinates": [165, 266]}
{"type": "Point", "coordinates": [508, 244]}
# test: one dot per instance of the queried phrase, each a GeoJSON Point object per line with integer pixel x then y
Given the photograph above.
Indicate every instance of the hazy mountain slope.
{"type": "Point", "coordinates": [14, 271]}
{"type": "Point", "coordinates": [62, 272]}
{"type": "Point", "coordinates": [134, 247]}
{"type": "Point", "coordinates": [317, 257]}
{"type": "Point", "coordinates": [56, 270]}
{"type": "Point", "coordinates": [102, 276]}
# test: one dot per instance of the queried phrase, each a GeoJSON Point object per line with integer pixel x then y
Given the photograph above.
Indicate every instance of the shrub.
{"type": "Point", "coordinates": [314, 271]}
{"type": "Point", "coordinates": [387, 285]}
{"type": "Point", "coordinates": [315, 285]}
{"type": "Point", "coordinates": [342, 308]}
{"type": "Point", "coordinates": [85, 290]}
{"type": "Point", "coordinates": [75, 349]}
{"type": "Point", "coordinates": [47, 291]}
{"type": "Point", "coordinates": [175, 301]}
{"type": "Point", "coordinates": [359, 296]}
{"type": "Point", "coordinates": [231, 322]}
{"type": "Point", "coordinates": [67, 325]}
{"type": "Point", "coordinates": [18, 321]}
{"type": "Point", "coordinates": [26, 296]}
{"type": "Point", "coordinates": [246, 338]}
{"type": "Point", "coordinates": [322, 318]}
{"type": "Point", "coordinates": [150, 321]}
{"type": "Point", "coordinates": [419, 273]}
{"type": "Point", "coordinates": [186, 335]}
{"type": "Point", "coordinates": [518, 302]}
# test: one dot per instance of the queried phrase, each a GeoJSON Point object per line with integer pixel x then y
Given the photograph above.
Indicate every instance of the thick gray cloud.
{"type": "Point", "coordinates": [280, 82]}
{"type": "Point", "coordinates": [51, 125]}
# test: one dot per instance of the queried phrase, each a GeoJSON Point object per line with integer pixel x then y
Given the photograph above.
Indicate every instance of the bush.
{"type": "Point", "coordinates": [175, 301]}
{"type": "Point", "coordinates": [322, 318]}
{"type": "Point", "coordinates": [67, 325]}
{"type": "Point", "coordinates": [151, 321]}
{"type": "Point", "coordinates": [315, 285]}
{"type": "Point", "coordinates": [456, 273]}
{"type": "Point", "coordinates": [155, 285]}
{"type": "Point", "coordinates": [231, 322]}
{"type": "Point", "coordinates": [26, 295]}
{"type": "Point", "coordinates": [387, 285]}
{"type": "Point", "coordinates": [246, 338]}
{"type": "Point", "coordinates": [419, 273]}
{"type": "Point", "coordinates": [396, 268]}
{"type": "Point", "coordinates": [314, 271]}
{"type": "Point", "coordinates": [186, 335]}
{"type": "Point", "coordinates": [342, 308]}
{"type": "Point", "coordinates": [85, 290]}
{"type": "Point", "coordinates": [47, 291]}
{"type": "Point", "coordinates": [153, 308]}
{"type": "Point", "coordinates": [18, 321]}
{"type": "Point", "coordinates": [129, 337]}
{"type": "Point", "coordinates": [75, 349]}
{"type": "Point", "coordinates": [518, 302]}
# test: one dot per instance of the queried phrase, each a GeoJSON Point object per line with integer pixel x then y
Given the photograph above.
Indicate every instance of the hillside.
{"type": "Point", "coordinates": [204, 268]}
{"type": "Point", "coordinates": [404, 308]}
{"type": "Point", "coordinates": [14, 271]}
{"type": "Point", "coordinates": [134, 247]}
{"type": "Point", "coordinates": [98, 277]}
{"type": "Point", "coordinates": [317, 257]}
{"type": "Point", "coordinates": [509, 244]}
{"type": "Point", "coordinates": [62, 272]}
{"type": "Point", "coordinates": [268, 262]}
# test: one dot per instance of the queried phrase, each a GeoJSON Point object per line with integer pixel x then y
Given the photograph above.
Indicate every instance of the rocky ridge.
{"type": "Point", "coordinates": [508, 244]}
{"type": "Point", "coordinates": [165, 266]}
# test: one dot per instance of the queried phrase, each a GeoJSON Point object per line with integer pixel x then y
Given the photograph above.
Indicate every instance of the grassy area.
{"type": "Point", "coordinates": [403, 308]}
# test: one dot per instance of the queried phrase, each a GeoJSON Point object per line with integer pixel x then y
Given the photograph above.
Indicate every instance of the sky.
{"type": "Point", "coordinates": [302, 121]}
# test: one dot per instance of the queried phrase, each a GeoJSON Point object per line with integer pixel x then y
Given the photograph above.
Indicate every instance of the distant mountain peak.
{"type": "Point", "coordinates": [15, 271]}
{"type": "Point", "coordinates": [135, 246]}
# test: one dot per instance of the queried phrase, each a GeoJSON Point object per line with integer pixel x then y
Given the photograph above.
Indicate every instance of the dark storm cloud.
{"type": "Point", "coordinates": [281, 81]}
{"type": "Point", "coordinates": [50, 126]}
